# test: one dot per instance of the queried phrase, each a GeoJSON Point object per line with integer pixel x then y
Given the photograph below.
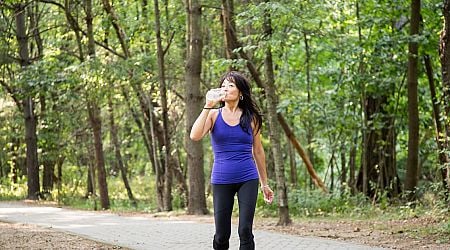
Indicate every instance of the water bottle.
{"type": "Point", "coordinates": [215, 94]}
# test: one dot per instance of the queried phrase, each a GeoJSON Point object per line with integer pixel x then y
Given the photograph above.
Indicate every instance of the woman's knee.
{"type": "Point", "coordinates": [245, 232]}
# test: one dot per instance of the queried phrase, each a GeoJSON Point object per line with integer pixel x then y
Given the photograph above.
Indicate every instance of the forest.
{"type": "Point", "coordinates": [97, 99]}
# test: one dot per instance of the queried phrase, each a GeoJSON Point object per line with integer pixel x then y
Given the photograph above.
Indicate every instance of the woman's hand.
{"type": "Point", "coordinates": [213, 96]}
{"type": "Point", "coordinates": [268, 194]}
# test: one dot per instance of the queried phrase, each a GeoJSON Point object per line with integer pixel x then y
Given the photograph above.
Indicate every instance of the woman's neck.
{"type": "Point", "coordinates": [232, 106]}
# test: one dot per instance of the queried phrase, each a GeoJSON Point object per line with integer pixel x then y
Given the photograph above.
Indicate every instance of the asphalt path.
{"type": "Point", "coordinates": [139, 232]}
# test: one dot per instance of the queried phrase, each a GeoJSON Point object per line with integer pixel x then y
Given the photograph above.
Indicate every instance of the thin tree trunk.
{"type": "Point", "coordinates": [91, 175]}
{"type": "Point", "coordinates": [445, 61]}
{"type": "Point", "coordinates": [47, 153]}
{"type": "Point", "coordinates": [59, 164]}
{"type": "Point", "coordinates": [96, 124]}
{"type": "Point", "coordinates": [228, 25]}
{"type": "Point", "coordinates": [309, 124]}
{"type": "Point", "coordinates": [444, 53]}
{"type": "Point", "coordinates": [95, 118]}
{"type": "Point", "coordinates": [352, 164]}
{"type": "Point", "coordinates": [28, 107]}
{"type": "Point", "coordinates": [118, 154]}
{"type": "Point", "coordinates": [331, 167]}
{"type": "Point", "coordinates": [441, 139]}
{"type": "Point", "coordinates": [159, 170]}
{"type": "Point", "coordinates": [293, 166]}
{"type": "Point", "coordinates": [47, 150]}
{"type": "Point", "coordinates": [75, 28]}
{"type": "Point", "coordinates": [168, 173]}
{"type": "Point", "coordinates": [119, 31]}
{"type": "Point", "coordinates": [343, 167]}
{"type": "Point", "coordinates": [194, 150]}
{"type": "Point", "coordinates": [412, 170]}
{"type": "Point", "coordinates": [274, 131]}
{"type": "Point", "coordinates": [31, 144]}
{"type": "Point", "coordinates": [364, 103]}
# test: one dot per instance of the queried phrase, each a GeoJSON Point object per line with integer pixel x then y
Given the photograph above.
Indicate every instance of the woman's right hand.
{"type": "Point", "coordinates": [268, 194]}
{"type": "Point", "coordinates": [213, 96]}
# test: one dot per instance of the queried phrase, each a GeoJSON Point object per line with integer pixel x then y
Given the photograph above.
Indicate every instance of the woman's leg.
{"type": "Point", "coordinates": [223, 199]}
{"type": "Point", "coordinates": [247, 195]}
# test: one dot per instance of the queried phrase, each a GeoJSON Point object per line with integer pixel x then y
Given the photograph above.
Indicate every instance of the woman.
{"type": "Point", "coordinates": [239, 159]}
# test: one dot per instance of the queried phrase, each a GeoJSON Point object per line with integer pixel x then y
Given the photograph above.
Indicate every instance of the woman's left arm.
{"type": "Point", "coordinates": [260, 159]}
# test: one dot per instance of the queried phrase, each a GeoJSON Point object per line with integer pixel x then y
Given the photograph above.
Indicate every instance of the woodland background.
{"type": "Point", "coordinates": [97, 99]}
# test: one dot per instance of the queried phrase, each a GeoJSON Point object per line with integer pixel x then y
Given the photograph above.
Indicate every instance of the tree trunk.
{"type": "Point", "coordinates": [444, 53]}
{"type": "Point", "coordinates": [228, 25]}
{"type": "Point", "coordinates": [441, 140]}
{"type": "Point", "coordinates": [361, 182]}
{"type": "Point", "coordinates": [96, 124]}
{"type": "Point", "coordinates": [274, 130]}
{"type": "Point", "coordinates": [31, 143]}
{"type": "Point", "coordinates": [59, 164]}
{"type": "Point", "coordinates": [378, 154]}
{"type": "Point", "coordinates": [48, 150]}
{"type": "Point", "coordinates": [143, 126]}
{"type": "Point", "coordinates": [91, 188]}
{"type": "Point", "coordinates": [293, 166]}
{"type": "Point", "coordinates": [194, 101]}
{"type": "Point", "coordinates": [343, 167]}
{"type": "Point", "coordinates": [412, 170]}
{"type": "Point", "coordinates": [352, 164]}
{"type": "Point", "coordinates": [95, 119]}
{"type": "Point", "coordinates": [168, 173]}
{"type": "Point", "coordinates": [28, 106]}
{"type": "Point", "coordinates": [118, 154]}
{"type": "Point", "coordinates": [331, 168]}
{"type": "Point", "coordinates": [308, 123]}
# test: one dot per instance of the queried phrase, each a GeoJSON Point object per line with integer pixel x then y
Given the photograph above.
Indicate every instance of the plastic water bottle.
{"type": "Point", "coordinates": [215, 94]}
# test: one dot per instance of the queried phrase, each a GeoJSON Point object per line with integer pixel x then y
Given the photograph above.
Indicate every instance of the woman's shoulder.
{"type": "Point", "coordinates": [213, 114]}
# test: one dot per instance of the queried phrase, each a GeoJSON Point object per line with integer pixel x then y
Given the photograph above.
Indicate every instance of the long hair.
{"type": "Point", "coordinates": [250, 111]}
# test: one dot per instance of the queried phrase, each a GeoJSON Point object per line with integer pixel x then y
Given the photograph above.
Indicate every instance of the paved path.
{"type": "Point", "coordinates": [150, 233]}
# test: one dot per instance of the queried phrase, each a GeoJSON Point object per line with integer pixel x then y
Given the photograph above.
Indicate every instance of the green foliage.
{"type": "Point", "coordinates": [13, 191]}
{"type": "Point", "coordinates": [316, 203]}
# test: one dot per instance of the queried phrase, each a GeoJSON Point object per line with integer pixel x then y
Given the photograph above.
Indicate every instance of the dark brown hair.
{"type": "Point", "coordinates": [250, 111]}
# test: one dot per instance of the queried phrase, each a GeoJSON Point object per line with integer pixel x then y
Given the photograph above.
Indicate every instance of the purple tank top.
{"type": "Point", "coordinates": [233, 157]}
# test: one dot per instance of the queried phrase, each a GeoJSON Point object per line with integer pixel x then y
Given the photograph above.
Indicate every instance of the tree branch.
{"type": "Point", "coordinates": [168, 44]}
{"type": "Point", "coordinates": [11, 91]}
{"type": "Point", "coordinates": [74, 24]}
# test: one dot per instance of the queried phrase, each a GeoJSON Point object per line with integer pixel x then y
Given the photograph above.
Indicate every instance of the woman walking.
{"type": "Point", "coordinates": [239, 158]}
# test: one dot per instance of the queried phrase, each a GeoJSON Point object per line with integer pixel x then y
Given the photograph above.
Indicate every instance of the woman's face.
{"type": "Point", "coordinates": [232, 92]}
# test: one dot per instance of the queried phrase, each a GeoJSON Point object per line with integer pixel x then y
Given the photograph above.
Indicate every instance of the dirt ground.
{"type": "Point", "coordinates": [394, 234]}
{"type": "Point", "coordinates": [21, 236]}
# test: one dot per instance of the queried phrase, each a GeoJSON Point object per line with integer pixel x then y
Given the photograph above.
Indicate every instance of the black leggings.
{"type": "Point", "coordinates": [223, 198]}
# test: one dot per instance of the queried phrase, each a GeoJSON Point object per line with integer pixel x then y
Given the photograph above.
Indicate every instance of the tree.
{"type": "Point", "coordinates": [95, 118]}
{"type": "Point", "coordinates": [413, 111]}
{"type": "Point", "coordinates": [441, 139]}
{"type": "Point", "coordinates": [28, 102]}
{"type": "Point", "coordinates": [378, 172]}
{"type": "Point", "coordinates": [168, 170]}
{"type": "Point", "coordinates": [194, 150]}
{"type": "Point", "coordinates": [444, 54]}
{"type": "Point", "coordinates": [274, 127]}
